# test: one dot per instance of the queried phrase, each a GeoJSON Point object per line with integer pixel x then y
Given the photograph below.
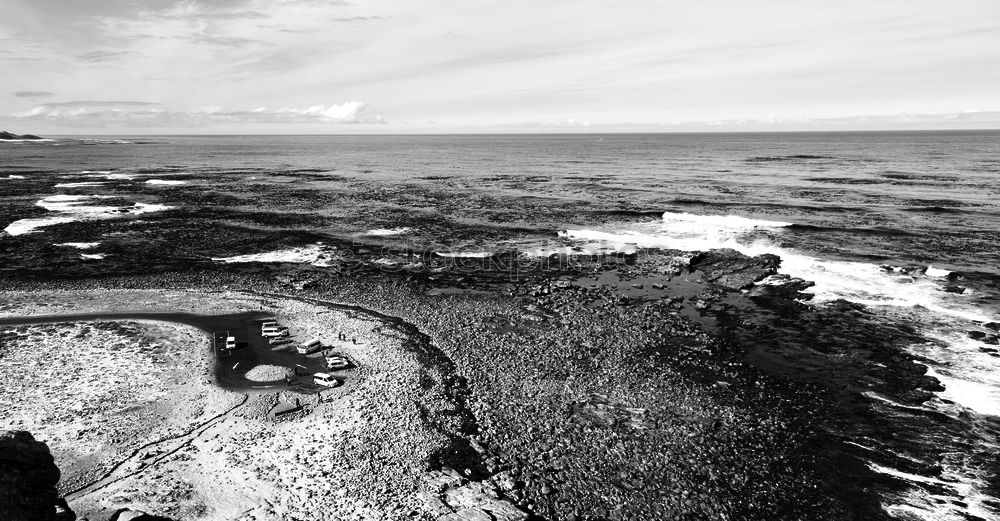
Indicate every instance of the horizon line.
{"type": "Point", "coordinates": [537, 133]}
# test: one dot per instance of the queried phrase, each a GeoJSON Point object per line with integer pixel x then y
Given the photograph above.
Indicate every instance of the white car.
{"type": "Point", "coordinates": [337, 362]}
{"type": "Point", "coordinates": [326, 380]}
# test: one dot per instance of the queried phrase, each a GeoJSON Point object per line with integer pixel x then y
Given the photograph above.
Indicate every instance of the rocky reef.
{"type": "Point", "coordinates": [8, 136]}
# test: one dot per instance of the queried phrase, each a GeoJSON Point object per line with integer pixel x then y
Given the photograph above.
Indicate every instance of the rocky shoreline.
{"type": "Point", "coordinates": [640, 387]}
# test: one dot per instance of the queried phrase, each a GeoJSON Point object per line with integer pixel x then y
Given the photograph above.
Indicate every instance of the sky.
{"type": "Point", "coordinates": [335, 66]}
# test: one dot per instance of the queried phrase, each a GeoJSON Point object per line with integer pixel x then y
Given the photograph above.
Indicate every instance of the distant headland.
{"type": "Point", "coordinates": [7, 136]}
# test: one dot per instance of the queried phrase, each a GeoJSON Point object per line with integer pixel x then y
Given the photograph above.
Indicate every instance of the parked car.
{"type": "Point", "coordinates": [271, 333]}
{"type": "Point", "coordinates": [279, 340]}
{"type": "Point", "coordinates": [337, 362]}
{"type": "Point", "coordinates": [325, 379]}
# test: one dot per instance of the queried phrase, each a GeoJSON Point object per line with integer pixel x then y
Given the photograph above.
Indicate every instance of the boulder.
{"type": "Point", "coordinates": [28, 477]}
{"type": "Point", "coordinates": [127, 514]}
{"type": "Point", "coordinates": [733, 270]}
{"type": "Point", "coordinates": [781, 287]}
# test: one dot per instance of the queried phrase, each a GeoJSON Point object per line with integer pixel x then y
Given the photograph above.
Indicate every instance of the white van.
{"type": "Point", "coordinates": [273, 332]}
{"type": "Point", "coordinates": [269, 325]}
{"type": "Point", "coordinates": [230, 342]}
{"type": "Point", "coordinates": [309, 347]}
{"type": "Point", "coordinates": [325, 379]}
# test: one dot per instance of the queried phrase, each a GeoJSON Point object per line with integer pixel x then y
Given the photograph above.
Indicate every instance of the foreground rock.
{"type": "Point", "coordinates": [449, 496]}
{"type": "Point", "coordinates": [28, 477]}
{"type": "Point", "coordinates": [127, 514]}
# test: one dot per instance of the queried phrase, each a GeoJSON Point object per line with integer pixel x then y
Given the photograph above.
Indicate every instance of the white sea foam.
{"type": "Point", "coordinates": [80, 184]}
{"type": "Point", "coordinates": [383, 232]}
{"type": "Point", "coordinates": [75, 208]}
{"type": "Point", "coordinates": [24, 226]}
{"type": "Point", "coordinates": [141, 208]}
{"type": "Point", "coordinates": [12, 176]}
{"type": "Point", "coordinates": [79, 245]}
{"type": "Point", "coordinates": [968, 374]}
{"type": "Point", "coordinates": [108, 174]}
{"type": "Point", "coordinates": [679, 231]}
{"type": "Point", "coordinates": [93, 256]}
{"type": "Point", "coordinates": [75, 204]}
{"type": "Point", "coordinates": [917, 502]}
{"type": "Point", "coordinates": [315, 254]}
{"type": "Point", "coordinates": [470, 254]}
{"type": "Point", "coordinates": [935, 272]}
{"type": "Point", "coordinates": [859, 282]}
{"type": "Point", "coordinates": [165, 182]}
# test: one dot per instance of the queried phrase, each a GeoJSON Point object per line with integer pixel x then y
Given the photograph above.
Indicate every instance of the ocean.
{"type": "Point", "coordinates": [905, 223]}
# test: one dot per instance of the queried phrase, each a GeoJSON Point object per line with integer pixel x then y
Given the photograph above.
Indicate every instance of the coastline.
{"type": "Point", "coordinates": [567, 367]}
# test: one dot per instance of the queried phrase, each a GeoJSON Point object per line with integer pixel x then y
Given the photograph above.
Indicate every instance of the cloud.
{"type": "Point", "coordinates": [228, 41]}
{"type": "Point", "coordinates": [567, 124]}
{"type": "Point", "coordinates": [969, 119]}
{"type": "Point", "coordinates": [33, 94]}
{"type": "Point", "coordinates": [144, 114]}
{"type": "Point", "coordinates": [344, 19]}
{"type": "Point", "coordinates": [101, 56]}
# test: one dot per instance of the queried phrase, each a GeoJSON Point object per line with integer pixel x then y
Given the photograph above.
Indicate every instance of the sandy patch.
{"type": "Point", "coordinates": [95, 392]}
{"type": "Point", "coordinates": [266, 373]}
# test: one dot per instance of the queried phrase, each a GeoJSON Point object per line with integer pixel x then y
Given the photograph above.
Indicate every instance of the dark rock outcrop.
{"type": "Point", "coordinates": [7, 136]}
{"type": "Point", "coordinates": [733, 270]}
{"type": "Point", "coordinates": [127, 514]}
{"type": "Point", "coordinates": [28, 477]}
